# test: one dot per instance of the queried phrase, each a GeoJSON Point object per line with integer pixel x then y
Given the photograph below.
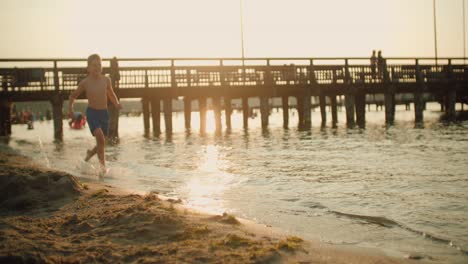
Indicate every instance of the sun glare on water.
{"type": "Point", "coordinates": [206, 187]}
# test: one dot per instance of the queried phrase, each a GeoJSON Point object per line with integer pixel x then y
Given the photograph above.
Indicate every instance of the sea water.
{"type": "Point", "coordinates": [402, 190]}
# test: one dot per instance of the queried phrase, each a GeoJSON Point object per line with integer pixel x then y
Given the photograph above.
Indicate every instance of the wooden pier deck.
{"type": "Point", "coordinates": [223, 79]}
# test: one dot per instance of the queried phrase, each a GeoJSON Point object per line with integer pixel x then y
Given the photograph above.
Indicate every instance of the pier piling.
{"type": "Point", "coordinates": [146, 115]}
{"type": "Point", "coordinates": [389, 107]}
{"type": "Point", "coordinates": [187, 112]}
{"type": "Point", "coordinates": [228, 111]}
{"type": "Point", "coordinates": [202, 109]}
{"type": "Point", "coordinates": [5, 117]}
{"type": "Point", "coordinates": [113, 132]}
{"type": "Point", "coordinates": [323, 109]}
{"type": "Point", "coordinates": [450, 106]}
{"type": "Point", "coordinates": [300, 111]}
{"type": "Point", "coordinates": [349, 105]}
{"type": "Point", "coordinates": [264, 111]}
{"type": "Point", "coordinates": [334, 110]}
{"type": "Point", "coordinates": [216, 102]}
{"type": "Point", "coordinates": [360, 103]}
{"type": "Point", "coordinates": [418, 97]}
{"type": "Point", "coordinates": [57, 105]}
{"type": "Point", "coordinates": [307, 110]}
{"type": "Point", "coordinates": [245, 111]}
{"type": "Point", "coordinates": [285, 105]}
{"type": "Point", "coordinates": [418, 108]}
{"type": "Point", "coordinates": [156, 115]}
{"type": "Point", "coordinates": [167, 104]}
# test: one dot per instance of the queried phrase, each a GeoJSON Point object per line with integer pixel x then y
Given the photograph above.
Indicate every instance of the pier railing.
{"type": "Point", "coordinates": [177, 73]}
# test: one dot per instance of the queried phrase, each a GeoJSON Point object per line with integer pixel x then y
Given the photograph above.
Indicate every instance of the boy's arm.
{"type": "Point", "coordinates": [111, 95]}
{"type": "Point", "coordinates": [73, 96]}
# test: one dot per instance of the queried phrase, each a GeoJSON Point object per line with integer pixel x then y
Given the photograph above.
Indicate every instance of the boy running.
{"type": "Point", "coordinates": [98, 89]}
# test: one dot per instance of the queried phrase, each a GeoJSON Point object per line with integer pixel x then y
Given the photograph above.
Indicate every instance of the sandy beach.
{"type": "Point", "coordinates": [49, 216]}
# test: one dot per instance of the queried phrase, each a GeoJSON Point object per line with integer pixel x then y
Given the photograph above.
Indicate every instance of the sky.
{"type": "Point", "coordinates": [212, 28]}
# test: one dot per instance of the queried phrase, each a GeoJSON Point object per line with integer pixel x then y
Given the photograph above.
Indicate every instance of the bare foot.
{"type": "Point", "coordinates": [102, 171]}
{"type": "Point", "coordinates": [89, 154]}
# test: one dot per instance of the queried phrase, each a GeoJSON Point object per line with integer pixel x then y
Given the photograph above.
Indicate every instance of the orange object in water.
{"type": "Point", "coordinates": [79, 123]}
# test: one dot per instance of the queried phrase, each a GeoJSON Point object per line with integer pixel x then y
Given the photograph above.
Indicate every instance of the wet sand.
{"type": "Point", "coordinates": [49, 216]}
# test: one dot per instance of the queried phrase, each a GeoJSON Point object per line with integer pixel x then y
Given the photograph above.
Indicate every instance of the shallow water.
{"type": "Point", "coordinates": [402, 189]}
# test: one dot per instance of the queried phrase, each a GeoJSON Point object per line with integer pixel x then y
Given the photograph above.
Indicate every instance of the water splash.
{"type": "Point", "coordinates": [43, 152]}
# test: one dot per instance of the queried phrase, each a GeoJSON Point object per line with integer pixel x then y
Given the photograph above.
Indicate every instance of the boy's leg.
{"type": "Point", "coordinates": [100, 142]}
{"type": "Point", "coordinates": [90, 153]}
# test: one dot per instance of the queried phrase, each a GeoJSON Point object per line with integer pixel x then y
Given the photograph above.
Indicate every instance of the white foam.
{"type": "Point", "coordinates": [87, 170]}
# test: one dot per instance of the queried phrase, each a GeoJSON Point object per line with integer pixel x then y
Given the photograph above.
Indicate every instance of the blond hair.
{"type": "Point", "coordinates": [93, 57]}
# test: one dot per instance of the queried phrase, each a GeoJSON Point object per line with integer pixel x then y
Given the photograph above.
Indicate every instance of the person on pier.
{"type": "Point", "coordinates": [381, 64]}
{"type": "Point", "coordinates": [98, 89]}
{"type": "Point", "coordinates": [373, 62]}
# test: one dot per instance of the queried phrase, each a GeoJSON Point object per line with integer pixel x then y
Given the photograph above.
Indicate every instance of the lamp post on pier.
{"type": "Point", "coordinates": [242, 30]}
{"type": "Point", "coordinates": [464, 33]}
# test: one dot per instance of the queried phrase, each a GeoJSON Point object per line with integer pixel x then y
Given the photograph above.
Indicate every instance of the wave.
{"type": "Point", "coordinates": [378, 220]}
{"type": "Point", "coordinates": [385, 222]}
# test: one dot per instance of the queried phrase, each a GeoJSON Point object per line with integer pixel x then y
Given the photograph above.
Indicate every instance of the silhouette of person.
{"type": "Point", "coordinates": [380, 64]}
{"type": "Point", "coordinates": [373, 63]}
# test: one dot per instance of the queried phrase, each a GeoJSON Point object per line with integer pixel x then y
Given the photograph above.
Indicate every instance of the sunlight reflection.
{"type": "Point", "coordinates": [195, 121]}
{"type": "Point", "coordinates": [210, 121]}
{"type": "Point", "coordinates": [210, 160]}
{"type": "Point", "coordinates": [205, 189]}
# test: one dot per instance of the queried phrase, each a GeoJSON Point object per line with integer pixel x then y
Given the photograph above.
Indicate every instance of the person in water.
{"type": "Point", "coordinates": [78, 121]}
{"type": "Point", "coordinates": [98, 89]}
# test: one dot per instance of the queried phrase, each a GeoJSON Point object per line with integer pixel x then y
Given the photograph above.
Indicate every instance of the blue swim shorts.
{"type": "Point", "coordinates": [97, 119]}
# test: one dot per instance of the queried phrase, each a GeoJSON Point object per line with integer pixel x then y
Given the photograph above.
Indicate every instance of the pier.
{"type": "Point", "coordinates": [157, 81]}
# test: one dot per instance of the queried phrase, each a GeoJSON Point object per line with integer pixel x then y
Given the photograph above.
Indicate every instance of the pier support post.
{"type": "Point", "coordinates": [187, 112]}
{"type": "Point", "coordinates": [418, 99]}
{"type": "Point", "coordinates": [202, 109]}
{"type": "Point", "coordinates": [285, 105]}
{"type": "Point", "coordinates": [442, 104]}
{"type": "Point", "coordinates": [168, 115]}
{"type": "Point", "coordinates": [8, 118]}
{"type": "Point", "coordinates": [113, 134]}
{"type": "Point", "coordinates": [349, 99]}
{"type": "Point", "coordinates": [217, 113]}
{"type": "Point", "coordinates": [57, 105]}
{"type": "Point", "coordinates": [418, 108]}
{"type": "Point", "coordinates": [323, 109]}
{"type": "Point", "coordinates": [450, 104]}
{"type": "Point", "coordinates": [360, 103]}
{"type": "Point", "coordinates": [307, 107]}
{"type": "Point", "coordinates": [334, 110]}
{"type": "Point", "coordinates": [146, 116]}
{"type": "Point", "coordinates": [264, 111]}
{"type": "Point", "coordinates": [300, 111]}
{"type": "Point", "coordinates": [389, 108]}
{"type": "Point", "coordinates": [228, 111]}
{"type": "Point", "coordinates": [349, 105]}
{"type": "Point", "coordinates": [156, 115]}
{"type": "Point", "coordinates": [5, 118]}
{"type": "Point", "coordinates": [245, 111]}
